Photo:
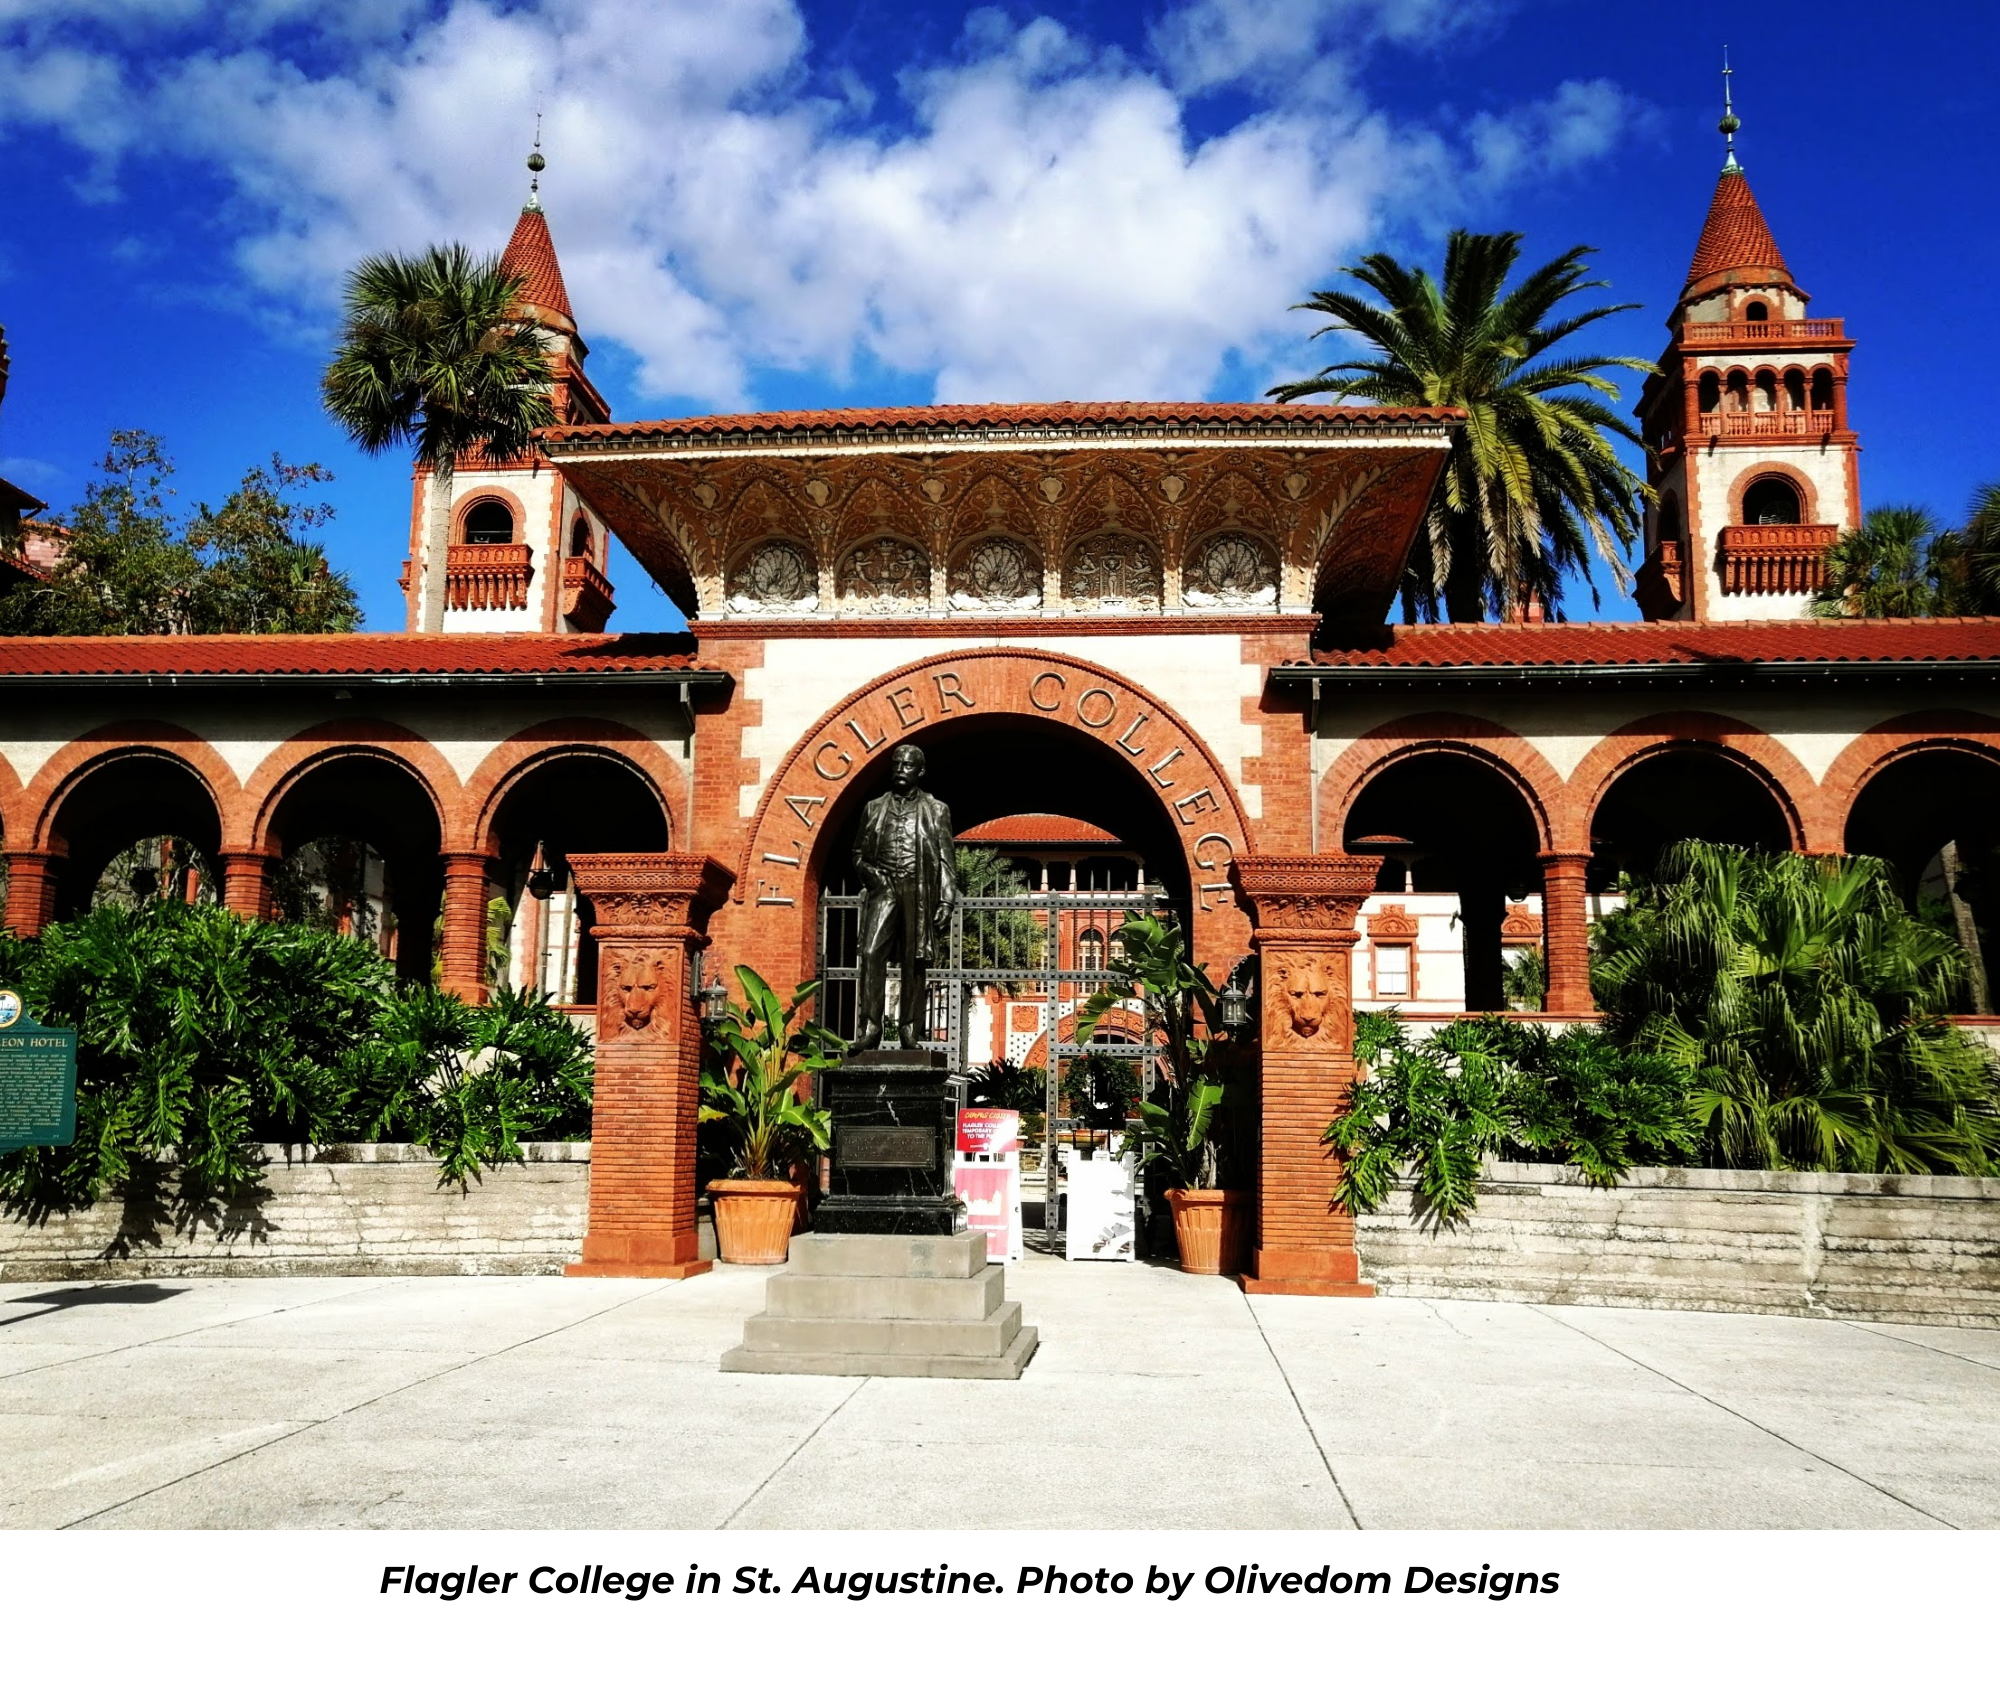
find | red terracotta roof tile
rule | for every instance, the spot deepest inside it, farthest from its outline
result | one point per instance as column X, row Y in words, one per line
column 1669, row 642
column 531, row 255
column 989, row 415
column 393, row 654
column 1736, row 244
column 1037, row 829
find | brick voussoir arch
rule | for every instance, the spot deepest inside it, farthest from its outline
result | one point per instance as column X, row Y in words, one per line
column 1759, row 754
column 576, row 735
column 13, row 809
column 41, row 800
column 1484, row 741
column 1129, row 722
column 1958, row 729
column 307, row 751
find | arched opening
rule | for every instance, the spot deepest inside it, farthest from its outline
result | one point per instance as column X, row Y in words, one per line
column 1766, row 400
column 576, row 803
column 136, row 826
column 1822, row 390
column 489, row 522
column 579, row 537
column 1934, row 816
column 1771, row 501
column 358, row 838
column 1680, row 793
column 1738, row 400
column 1757, row 311
column 1670, row 518
column 1795, row 389
column 1709, row 388
column 1452, row 826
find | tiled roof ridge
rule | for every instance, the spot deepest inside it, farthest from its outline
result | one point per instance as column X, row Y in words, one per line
column 1615, row 643
column 1734, row 238
column 348, row 653
column 1004, row 413
column 531, row 256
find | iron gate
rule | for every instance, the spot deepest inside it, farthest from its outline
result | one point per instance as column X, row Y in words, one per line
column 1044, row 951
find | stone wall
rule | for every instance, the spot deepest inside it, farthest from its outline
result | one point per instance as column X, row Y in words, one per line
column 341, row 1210
column 1918, row 1248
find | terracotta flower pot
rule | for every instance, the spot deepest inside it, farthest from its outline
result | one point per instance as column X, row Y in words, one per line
column 1212, row 1227
column 753, row 1219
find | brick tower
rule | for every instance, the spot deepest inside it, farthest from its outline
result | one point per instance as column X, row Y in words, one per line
column 1746, row 430
column 524, row 554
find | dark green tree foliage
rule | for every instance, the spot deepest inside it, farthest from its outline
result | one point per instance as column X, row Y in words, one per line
column 1899, row 565
column 202, row 1037
column 1007, row 1085
column 1810, row 1007
column 199, row 1037
column 471, row 1082
column 132, row 567
column 1533, row 485
column 1000, row 941
column 1101, row 1090
column 1436, row 1109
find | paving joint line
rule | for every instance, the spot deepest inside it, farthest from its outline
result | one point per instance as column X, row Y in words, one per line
column 1298, row 1405
column 779, row 1468
column 1922, row 1345
column 1782, row 1439
column 349, row 1410
column 189, row 1333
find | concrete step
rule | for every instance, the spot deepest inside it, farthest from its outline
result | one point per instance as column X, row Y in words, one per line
column 969, row 1298
column 1007, row 1366
column 892, row 1256
column 839, row 1336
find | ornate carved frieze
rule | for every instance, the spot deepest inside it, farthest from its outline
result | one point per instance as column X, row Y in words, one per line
column 1114, row 570
column 1231, row 570
column 773, row 578
column 998, row 575
column 884, row 573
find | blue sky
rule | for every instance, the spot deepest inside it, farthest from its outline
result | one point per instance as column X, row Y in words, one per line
column 783, row 203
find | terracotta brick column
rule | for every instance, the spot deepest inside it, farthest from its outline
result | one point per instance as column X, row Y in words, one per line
column 467, row 882
column 31, row 891
column 652, row 915
column 1304, row 907
column 1566, row 932
column 246, row 883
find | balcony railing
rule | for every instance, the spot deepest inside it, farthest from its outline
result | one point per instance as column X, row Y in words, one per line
column 1769, row 422
column 1764, row 330
column 487, row 575
column 586, row 594
column 1762, row 560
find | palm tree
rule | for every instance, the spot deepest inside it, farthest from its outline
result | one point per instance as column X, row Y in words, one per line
column 1898, row 565
column 430, row 355
column 1980, row 539
column 1533, row 482
column 1810, row 1004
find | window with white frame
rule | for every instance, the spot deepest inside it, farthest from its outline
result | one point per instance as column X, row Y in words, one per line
column 1392, row 970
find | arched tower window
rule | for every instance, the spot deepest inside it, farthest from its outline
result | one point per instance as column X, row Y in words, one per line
column 489, row 522
column 1795, row 389
column 1771, row 501
column 1822, row 390
column 1757, row 312
column 579, row 536
column 1670, row 525
column 1767, row 392
column 1709, row 391
column 1739, row 393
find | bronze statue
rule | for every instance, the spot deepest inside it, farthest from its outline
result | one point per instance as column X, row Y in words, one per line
column 905, row 857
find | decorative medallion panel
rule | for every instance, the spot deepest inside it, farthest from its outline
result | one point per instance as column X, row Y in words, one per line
column 1233, row 570
column 1114, row 569
column 773, row 578
column 886, row 573
column 996, row 574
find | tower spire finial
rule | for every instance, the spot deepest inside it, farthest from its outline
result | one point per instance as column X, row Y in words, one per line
column 536, row 166
column 1730, row 122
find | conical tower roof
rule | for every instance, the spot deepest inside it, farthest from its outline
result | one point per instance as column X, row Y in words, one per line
column 1736, row 245
column 531, row 256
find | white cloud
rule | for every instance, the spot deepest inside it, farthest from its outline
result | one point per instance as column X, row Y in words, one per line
column 1034, row 219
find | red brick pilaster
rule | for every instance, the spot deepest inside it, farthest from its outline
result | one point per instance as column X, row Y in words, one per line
column 467, row 879
column 1304, row 908
column 246, row 883
column 652, row 914
column 1566, row 932
column 31, row 891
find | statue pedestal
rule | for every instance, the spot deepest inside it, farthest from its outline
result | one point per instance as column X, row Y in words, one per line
column 892, row 1135
column 887, row 1304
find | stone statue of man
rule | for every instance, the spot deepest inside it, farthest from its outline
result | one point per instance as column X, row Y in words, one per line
column 904, row 855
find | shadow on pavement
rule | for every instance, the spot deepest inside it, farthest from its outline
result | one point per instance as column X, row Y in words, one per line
column 68, row 1298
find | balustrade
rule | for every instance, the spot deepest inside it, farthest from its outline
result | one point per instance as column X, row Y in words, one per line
column 487, row 575
column 1763, row 330
column 1769, row 422
column 1774, row 559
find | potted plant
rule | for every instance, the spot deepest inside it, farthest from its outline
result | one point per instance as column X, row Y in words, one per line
column 1183, row 1124
column 758, row 1056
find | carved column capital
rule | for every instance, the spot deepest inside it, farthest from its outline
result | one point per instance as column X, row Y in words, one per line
column 671, row 894
column 1304, row 898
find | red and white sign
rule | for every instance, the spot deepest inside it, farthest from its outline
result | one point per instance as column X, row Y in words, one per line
column 991, row 1188
column 989, row 1133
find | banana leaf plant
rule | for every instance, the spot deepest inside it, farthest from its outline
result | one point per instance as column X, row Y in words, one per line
column 758, row 1057
column 1184, row 1122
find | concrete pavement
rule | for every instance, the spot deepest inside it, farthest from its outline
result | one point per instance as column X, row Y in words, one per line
column 1158, row 1400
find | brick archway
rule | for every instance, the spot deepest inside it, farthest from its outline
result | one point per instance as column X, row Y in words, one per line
column 298, row 756
column 551, row 740
column 1867, row 756
column 1484, row 741
column 1757, row 753
column 768, row 919
column 41, row 800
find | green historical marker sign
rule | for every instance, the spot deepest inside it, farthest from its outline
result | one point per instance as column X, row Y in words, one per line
column 37, row 1079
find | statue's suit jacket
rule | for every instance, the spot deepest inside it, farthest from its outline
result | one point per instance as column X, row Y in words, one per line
column 936, row 881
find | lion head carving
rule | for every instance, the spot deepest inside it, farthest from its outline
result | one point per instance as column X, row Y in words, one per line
column 1305, row 987
column 639, row 979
